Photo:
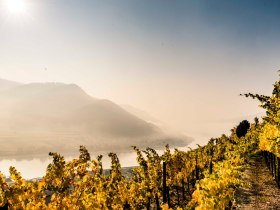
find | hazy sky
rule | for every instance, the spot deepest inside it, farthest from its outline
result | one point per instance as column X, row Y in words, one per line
column 182, row 61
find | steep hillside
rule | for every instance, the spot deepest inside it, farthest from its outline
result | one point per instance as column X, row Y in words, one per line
column 43, row 117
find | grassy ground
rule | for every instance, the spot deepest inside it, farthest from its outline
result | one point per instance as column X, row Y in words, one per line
column 259, row 190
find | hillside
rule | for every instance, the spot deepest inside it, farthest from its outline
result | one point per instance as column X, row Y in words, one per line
column 6, row 84
column 43, row 117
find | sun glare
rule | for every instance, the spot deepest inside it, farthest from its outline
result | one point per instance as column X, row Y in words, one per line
column 16, row 6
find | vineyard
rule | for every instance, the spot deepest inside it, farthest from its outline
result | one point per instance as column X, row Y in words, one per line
column 202, row 178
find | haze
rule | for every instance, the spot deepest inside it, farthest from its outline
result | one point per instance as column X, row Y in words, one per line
column 182, row 62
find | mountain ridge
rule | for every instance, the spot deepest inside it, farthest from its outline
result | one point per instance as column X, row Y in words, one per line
column 6, row 84
column 43, row 117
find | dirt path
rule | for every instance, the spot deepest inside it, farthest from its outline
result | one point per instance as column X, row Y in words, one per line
column 260, row 190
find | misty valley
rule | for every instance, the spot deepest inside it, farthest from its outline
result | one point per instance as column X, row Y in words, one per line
column 41, row 117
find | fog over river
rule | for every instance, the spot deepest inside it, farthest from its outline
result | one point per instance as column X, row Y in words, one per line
column 35, row 167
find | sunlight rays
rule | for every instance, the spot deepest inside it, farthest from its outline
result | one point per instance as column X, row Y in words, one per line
column 16, row 7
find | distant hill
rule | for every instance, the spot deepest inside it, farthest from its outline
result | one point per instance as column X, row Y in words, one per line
column 41, row 117
column 6, row 84
column 141, row 114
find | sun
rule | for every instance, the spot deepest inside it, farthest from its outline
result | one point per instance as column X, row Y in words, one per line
column 16, row 6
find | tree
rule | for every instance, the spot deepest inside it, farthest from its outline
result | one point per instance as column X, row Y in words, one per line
column 242, row 128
